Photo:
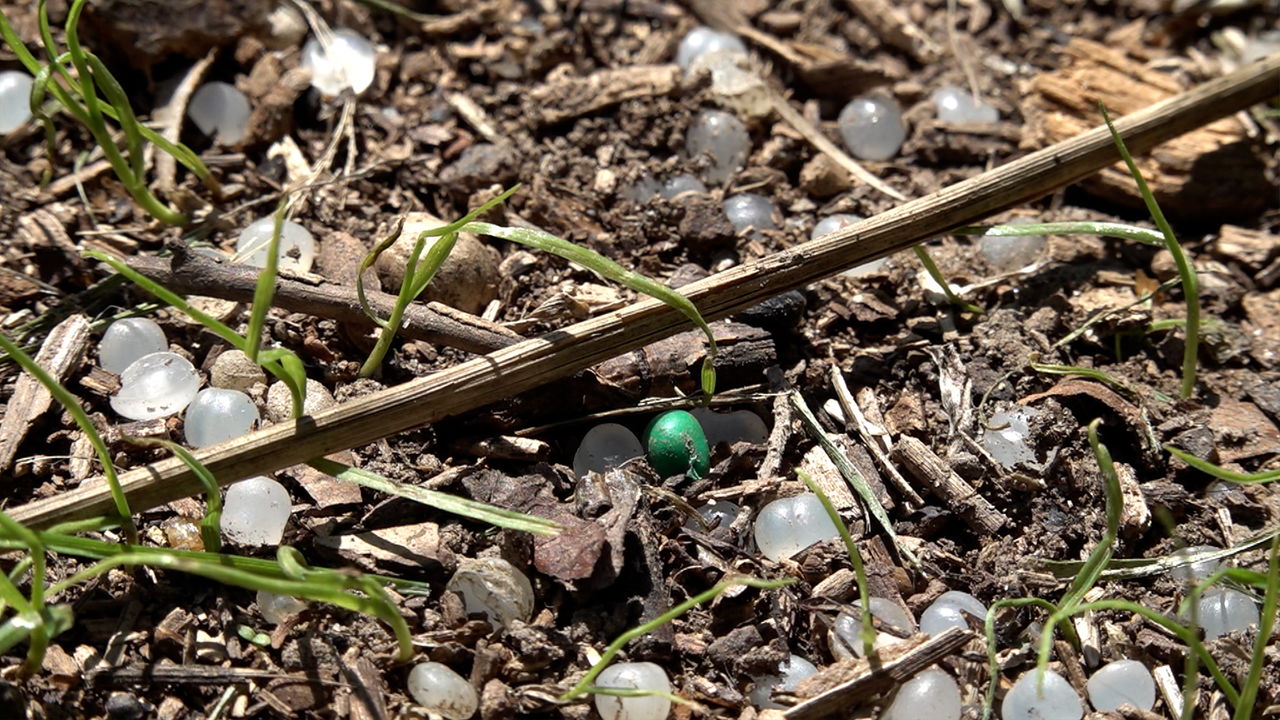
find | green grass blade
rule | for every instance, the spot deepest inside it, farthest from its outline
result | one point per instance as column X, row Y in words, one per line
column 368, row 262
column 1249, row 690
column 993, row 662
column 1091, row 373
column 211, row 523
column 405, row 296
column 932, row 268
column 265, row 289
column 855, row 559
column 1222, row 473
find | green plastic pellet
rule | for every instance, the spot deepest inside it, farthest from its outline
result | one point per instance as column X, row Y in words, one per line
column 676, row 445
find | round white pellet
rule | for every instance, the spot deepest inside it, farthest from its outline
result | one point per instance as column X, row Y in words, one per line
column 680, row 185
column 220, row 110
column 832, row 223
column 845, row 637
column 724, row 138
column 605, row 446
column 1196, row 571
column 749, row 210
column 155, row 386
column 494, row 587
column 297, row 249
column 1120, row 682
column 350, row 62
column 950, row 610
column 702, row 40
column 790, row 673
column 788, row 525
column 872, row 127
column 1059, row 700
column 1223, row 610
column 442, row 691
column 719, row 515
column 958, row 106
column 931, row 695
column 731, row 427
column 128, row 340
column 275, row 608
column 218, row 415
column 1011, row 252
column 15, row 100
column 256, row 511
column 633, row 676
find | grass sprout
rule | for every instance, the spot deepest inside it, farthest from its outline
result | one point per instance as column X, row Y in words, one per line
column 1222, row 473
column 932, row 268
column 1091, row 373
column 211, row 523
column 855, row 559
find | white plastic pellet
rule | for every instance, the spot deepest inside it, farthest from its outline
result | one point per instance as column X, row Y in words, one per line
column 872, row 127
column 930, row 695
column 128, row 340
column 220, row 110
column 605, row 446
column 275, row 608
column 1223, row 610
column 680, row 185
column 790, row 673
column 724, row 138
column 950, row 610
column 832, row 223
column 1058, row 701
column 218, row 415
column 845, row 637
column 958, row 106
column 750, row 210
column 15, row 100
column 702, row 40
column 732, row 427
column 1120, row 682
column 297, row 247
column 442, row 691
column 1011, row 252
column 1265, row 44
column 1197, row 571
column 718, row 515
column 256, row 511
column 349, row 63
column 1007, row 436
column 633, row 676
column 155, row 386
column 788, row 525
column 494, row 587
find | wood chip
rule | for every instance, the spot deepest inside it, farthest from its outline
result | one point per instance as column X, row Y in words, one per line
column 60, row 355
column 573, row 97
column 949, row 487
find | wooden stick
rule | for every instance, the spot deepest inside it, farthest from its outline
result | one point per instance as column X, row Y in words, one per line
column 535, row 362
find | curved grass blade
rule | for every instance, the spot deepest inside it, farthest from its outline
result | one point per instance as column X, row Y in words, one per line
column 211, row 523
column 1222, row 473
column 855, row 559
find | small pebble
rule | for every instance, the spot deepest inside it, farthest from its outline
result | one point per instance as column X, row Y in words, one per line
column 1223, row 611
column 724, row 138
column 958, row 106
column 280, row 402
column 749, row 210
column 256, row 511
column 1120, row 682
column 442, row 691
column 633, row 676
column 350, row 62
column 494, row 587
column 930, row 695
column 606, row 446
column 676, row 445
column 218, row 415
column 680, row 185
column 275, row 608
column 731, row 427
column 702, row 40
column 155, row 386
column 788, row 525
column 220, row 110
column 950, row 610
column 297, row 250
column 15, row 100
column 125, row 706
column 791, row 672
column 872, row 127
column 128, row 340
column 1059, row 700
column 1197, row 571
column 233, row 370
column 1007, row 436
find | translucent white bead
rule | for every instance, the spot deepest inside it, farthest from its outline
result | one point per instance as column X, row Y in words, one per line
column 128, row 340
column 605, row 446
column 845, row 637
column 718, row 515
column 958, row 106
column 633, row 676
column 297, row 246
column 275, row 608
column 218, row 415
column 702, row 40
column 1011, row 252
column 790, row 673
column 256, row 511
column 155, row 386
column 1010, row 443
column 681, row 184
column 494, row 587
column 1265, row 44
column 721, row 136
column 872, row 127
column 1196, row 571
column 950, row 610
column 218, row 108
column 788, row 525
column 749, row 210
column 350, row 62
column 832, row 223
column 642, row 191
column 1223, row 610
column 1059, row 700
column 442, row 691
column 930, row 695
column 1120, row 682
column 15, row 100
column 731, row 427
